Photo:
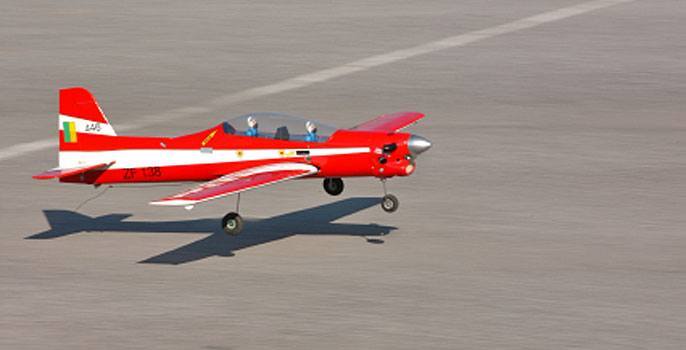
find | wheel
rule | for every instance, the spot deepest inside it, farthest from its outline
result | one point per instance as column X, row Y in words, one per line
column 333, row 186
column 389, row 203
column 232, row 224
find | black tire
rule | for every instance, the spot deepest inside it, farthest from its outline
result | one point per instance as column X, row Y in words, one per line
column 232, row 224
column 333, row 185
column 389, row 203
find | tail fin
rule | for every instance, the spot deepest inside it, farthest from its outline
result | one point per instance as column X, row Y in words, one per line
column 80, row 114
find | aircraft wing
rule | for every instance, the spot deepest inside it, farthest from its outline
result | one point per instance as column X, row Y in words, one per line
column 390, row 122
column 239, row 181
column 66, row 172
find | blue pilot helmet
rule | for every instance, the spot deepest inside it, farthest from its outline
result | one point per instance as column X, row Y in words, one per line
column 311, row 131
column 252, row 127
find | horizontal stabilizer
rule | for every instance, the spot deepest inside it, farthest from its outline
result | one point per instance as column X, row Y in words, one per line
column 62, row 173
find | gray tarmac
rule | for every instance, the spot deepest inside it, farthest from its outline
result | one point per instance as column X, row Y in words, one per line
column 549, row 214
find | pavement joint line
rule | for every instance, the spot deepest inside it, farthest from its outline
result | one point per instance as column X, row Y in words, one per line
column 323, row 75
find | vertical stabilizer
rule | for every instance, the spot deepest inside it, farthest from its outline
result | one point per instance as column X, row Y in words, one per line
column 82, row 124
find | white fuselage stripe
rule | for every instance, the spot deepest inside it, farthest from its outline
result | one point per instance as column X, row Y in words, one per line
column 174, row 157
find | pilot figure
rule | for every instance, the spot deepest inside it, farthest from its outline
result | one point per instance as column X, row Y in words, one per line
column 252, row 127
column 311, row 132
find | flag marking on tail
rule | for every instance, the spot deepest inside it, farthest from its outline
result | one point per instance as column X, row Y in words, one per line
column 69, row 132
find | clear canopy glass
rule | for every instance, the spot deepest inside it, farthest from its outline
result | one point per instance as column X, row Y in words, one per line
column 278, row 126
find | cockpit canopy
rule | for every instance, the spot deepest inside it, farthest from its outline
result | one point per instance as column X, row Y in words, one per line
column 278, row 126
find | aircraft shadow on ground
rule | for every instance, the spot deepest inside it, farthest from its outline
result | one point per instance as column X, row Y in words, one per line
column 312, row 221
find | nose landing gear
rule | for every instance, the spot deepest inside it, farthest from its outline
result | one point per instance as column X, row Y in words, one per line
column 389, row 202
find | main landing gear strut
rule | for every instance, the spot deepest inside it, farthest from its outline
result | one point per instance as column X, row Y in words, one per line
column 232, row 223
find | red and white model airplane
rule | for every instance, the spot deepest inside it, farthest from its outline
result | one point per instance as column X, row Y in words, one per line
column 247, row 152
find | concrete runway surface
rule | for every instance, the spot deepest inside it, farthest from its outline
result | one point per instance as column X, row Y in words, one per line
column 551, row 212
